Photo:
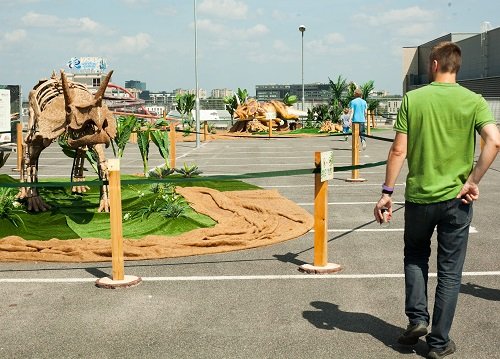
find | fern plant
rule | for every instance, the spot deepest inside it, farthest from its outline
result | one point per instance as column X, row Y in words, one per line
column 160, row 172
column 166, row 203
column 188, row 171
column 10, row 209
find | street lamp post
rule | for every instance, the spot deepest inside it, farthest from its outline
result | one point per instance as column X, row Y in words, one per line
column 197, row 98
column 302, row 28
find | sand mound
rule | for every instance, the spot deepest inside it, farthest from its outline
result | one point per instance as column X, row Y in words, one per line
column 245, row 219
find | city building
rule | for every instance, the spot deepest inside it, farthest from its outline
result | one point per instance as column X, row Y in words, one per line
column 480, row 70
column 135, row 84
column 221, row 93
column 314, row 94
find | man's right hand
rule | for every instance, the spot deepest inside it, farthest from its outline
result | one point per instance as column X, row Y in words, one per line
column 384, row 202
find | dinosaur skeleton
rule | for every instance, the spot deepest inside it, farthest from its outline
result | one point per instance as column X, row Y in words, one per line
column 58, row 107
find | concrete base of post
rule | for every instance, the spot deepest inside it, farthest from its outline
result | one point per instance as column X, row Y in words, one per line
column 355, row 180
column 329, row 268
column 127, row 282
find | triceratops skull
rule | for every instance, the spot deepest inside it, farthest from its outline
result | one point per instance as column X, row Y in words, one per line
column 88, row 119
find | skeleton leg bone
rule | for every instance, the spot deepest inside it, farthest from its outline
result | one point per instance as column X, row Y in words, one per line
column 29, row 174
column 77, row 171
column 103, row 176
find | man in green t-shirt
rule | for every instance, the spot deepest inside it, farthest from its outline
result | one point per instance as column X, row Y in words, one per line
column 435, row 131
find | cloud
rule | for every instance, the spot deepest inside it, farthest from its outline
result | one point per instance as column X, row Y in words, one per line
column 166, row 11
column 334, row 38
column 72, row 25
column 410, row 21
column 328, row 44
column 212, row 27
column 223, row 31
column 138, row 42
column 228, row 9
column 124, row 45
column 14, row 36
column 135, row 2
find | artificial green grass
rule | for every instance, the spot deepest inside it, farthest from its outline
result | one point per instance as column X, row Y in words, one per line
column 76, row 216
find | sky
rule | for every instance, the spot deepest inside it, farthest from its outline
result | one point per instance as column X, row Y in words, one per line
column 240, row 43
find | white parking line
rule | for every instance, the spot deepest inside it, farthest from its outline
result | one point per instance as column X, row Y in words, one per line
column 346, row 230
column 240, row 277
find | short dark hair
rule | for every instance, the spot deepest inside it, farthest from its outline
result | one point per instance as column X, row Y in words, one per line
column 448, row 55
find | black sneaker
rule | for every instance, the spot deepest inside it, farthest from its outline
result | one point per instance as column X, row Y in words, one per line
column 412, row 333
column 437, row 354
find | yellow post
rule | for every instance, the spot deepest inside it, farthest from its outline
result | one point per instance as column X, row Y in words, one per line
column 172, row 144
column 481, row 143
column 355, row 154
column 320, row 265
column 19, row 143
column 205, row 131
column 320, row 216
column 115, row 217
column 374, row 124
column 368, row 129
column 270, row 123
column 355, row 149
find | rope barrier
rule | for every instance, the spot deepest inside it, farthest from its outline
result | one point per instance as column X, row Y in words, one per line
column 242, row 176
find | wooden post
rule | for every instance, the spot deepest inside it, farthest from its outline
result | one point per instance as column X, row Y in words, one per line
column 355, row 149
column 115, row 217
column 118, row 278
column 19, row 143
column 205, row 131
column 355, row 154
column 172, row 144
column 320, row 264
column 320, row 216
column 270, row 123
column 373, row 119
column 367, row 126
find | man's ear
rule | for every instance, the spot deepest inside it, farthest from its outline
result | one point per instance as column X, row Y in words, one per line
column 434, row 66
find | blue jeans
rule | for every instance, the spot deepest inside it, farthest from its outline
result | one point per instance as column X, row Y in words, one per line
column 452, row 219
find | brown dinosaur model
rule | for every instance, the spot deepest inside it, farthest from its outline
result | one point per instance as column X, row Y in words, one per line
column 274, row 110
column 61, row 107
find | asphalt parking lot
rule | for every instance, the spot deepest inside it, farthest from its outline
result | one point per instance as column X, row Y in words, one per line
column 254, row 303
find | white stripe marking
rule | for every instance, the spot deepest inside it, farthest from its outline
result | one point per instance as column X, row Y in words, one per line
column 346, row 203
column 240, row 277
column 331, row 185
column 344, row 230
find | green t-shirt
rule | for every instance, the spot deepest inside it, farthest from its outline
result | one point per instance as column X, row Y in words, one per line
column 440, row 120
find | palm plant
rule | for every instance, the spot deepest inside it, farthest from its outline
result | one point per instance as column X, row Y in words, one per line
column 160, row 139
column 289, row 100
column 185, row 104
column 339, row 100
column 230, row 104
column 143, row 143
column 242, row 96
column 125, row 125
